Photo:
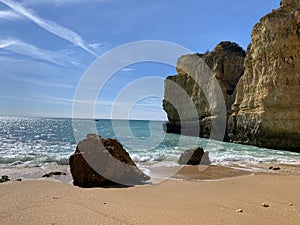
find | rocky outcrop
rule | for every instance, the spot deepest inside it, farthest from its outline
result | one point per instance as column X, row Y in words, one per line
column 100, row 162
column 186, row 94
column 194, row 157
column 266, row 111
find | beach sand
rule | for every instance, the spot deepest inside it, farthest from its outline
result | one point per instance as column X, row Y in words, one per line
column 171, row 201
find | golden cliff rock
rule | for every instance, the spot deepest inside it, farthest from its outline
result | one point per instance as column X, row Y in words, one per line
column 266, row 111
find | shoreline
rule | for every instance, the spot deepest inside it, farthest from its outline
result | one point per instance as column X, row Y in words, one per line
column 161, row 173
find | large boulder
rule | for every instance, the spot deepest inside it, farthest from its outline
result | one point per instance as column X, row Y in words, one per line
column 266, row 111
column 100, row 162
column 186, row 103
column 194, row 157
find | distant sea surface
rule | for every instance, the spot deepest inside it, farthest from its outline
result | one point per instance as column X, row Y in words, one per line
column 40, row 141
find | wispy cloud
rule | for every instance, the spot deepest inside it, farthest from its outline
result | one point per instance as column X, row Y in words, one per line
column 43, row 98
column 95, row 45
column 26, row 49
column 127, row 70
column 56, row 100
column 46, row 84
column 60, row 2
column 9, row 15
column 50, row 26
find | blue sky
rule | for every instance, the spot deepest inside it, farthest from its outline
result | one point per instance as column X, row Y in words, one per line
column 47, row 45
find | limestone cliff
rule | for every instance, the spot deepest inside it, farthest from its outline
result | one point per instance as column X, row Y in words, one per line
column 226, row 63
column 266, row 111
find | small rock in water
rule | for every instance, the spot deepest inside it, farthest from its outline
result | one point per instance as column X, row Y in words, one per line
column 194, row 157
column 239, row 210
column 265, row 205
column 19, row 179
column 271, row 167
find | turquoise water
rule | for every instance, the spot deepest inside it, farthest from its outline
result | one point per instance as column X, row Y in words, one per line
column 39, row 141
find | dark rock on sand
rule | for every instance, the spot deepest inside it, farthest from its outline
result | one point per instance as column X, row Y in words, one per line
column 99, row 162
column 194, row 157
column 274, row 168
column 54, row 174
column 4, row 179
column 265, row 205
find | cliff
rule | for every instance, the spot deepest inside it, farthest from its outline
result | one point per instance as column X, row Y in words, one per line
column 266, row 111
column 188, row 98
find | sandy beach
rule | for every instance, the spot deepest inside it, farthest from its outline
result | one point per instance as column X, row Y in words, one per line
column 149, row 112
column 236, row 199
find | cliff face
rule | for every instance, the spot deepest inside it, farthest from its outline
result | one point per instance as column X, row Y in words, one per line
column 266, row 111
column 187, row 103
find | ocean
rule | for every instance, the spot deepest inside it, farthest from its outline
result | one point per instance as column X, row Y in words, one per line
column 40, row 141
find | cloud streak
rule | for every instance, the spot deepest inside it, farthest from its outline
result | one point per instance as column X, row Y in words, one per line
column 46, row 84
column 61, row 2
column 26, row 49
column 9, row 15
column 50, row 26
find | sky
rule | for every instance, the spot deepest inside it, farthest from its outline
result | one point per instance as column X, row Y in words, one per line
column 47, row 47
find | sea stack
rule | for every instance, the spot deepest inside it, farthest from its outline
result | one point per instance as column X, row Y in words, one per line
column 266, row 111
column 226, row 65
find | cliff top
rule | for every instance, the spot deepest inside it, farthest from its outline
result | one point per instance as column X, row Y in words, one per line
column 228, row 46
column 292, row 4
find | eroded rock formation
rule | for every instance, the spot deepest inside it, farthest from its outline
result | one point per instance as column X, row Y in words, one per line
column 266, row 111
column 187, row 104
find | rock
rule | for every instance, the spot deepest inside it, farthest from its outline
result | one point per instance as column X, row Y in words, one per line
column 266, row 111
column 291, row 204
column 184, row 101
column 99, row 162
column 4, row 179
column 54, row 174
column 205, row 159
column 265, row 205
column 274, row 168
column 239, row 211
column 186, row 63
column 194, row 157
column 290, row 4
